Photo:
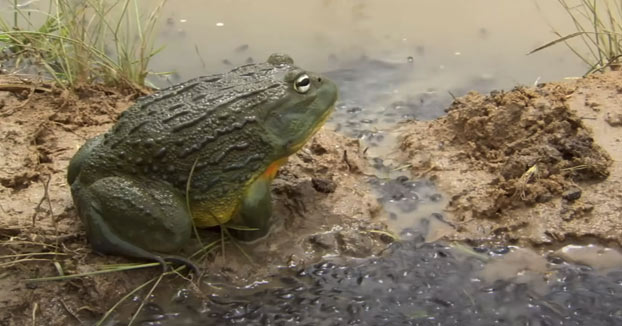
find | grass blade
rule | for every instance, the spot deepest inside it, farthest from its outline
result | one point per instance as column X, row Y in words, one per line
column 559, row 40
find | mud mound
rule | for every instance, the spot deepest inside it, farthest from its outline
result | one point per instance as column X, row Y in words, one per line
column 531, row 140
column 504, row 157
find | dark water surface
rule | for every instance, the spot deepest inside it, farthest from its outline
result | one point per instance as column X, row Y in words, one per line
column 413, row 283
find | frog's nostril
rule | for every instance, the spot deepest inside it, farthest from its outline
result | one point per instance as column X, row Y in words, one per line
column 319, row 79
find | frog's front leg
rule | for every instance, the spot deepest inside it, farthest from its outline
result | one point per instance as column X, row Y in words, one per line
column 255, row 211
column 134, row 218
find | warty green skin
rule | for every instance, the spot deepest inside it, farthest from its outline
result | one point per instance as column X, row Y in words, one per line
column 129, row 184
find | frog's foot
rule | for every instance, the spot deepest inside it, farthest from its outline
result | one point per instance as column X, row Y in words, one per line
column 178, row 260
column 249, row 236
column 116, row 246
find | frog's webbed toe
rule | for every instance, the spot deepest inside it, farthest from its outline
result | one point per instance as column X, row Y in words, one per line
column 178, row 260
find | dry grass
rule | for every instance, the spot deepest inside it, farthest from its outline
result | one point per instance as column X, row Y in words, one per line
column 521, row 185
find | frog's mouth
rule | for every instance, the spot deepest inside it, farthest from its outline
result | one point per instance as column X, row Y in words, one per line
column 290, row 123
column 319, row 123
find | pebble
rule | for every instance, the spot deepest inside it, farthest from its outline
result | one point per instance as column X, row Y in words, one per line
column 323, row 185
column 614, row 119
column 572, row 194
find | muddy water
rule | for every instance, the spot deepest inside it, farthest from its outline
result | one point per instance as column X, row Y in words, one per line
column 453, row 44
column 396, row 60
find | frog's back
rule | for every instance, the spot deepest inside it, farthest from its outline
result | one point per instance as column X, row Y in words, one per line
column 212, row 120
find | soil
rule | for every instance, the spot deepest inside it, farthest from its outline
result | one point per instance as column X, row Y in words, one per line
column 532, row 166
column 321, row 197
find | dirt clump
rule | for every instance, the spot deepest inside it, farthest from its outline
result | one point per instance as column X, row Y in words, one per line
column 614, row 119
column 320, row 191
column 523, row 166
column 530, row 140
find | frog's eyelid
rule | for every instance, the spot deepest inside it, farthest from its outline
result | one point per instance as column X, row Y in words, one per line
column 302, row 84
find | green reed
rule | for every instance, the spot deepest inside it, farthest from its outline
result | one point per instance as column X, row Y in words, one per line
column 598, row 25
column 77, row 42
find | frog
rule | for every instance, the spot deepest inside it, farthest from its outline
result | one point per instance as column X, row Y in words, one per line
column 202, row 153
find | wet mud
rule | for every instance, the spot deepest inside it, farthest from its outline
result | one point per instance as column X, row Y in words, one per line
column 532, row 166
column 527, row 166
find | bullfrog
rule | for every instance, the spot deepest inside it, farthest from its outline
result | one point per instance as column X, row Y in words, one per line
column 201, row 152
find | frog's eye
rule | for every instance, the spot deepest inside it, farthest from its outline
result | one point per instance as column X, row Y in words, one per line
column 302, row 84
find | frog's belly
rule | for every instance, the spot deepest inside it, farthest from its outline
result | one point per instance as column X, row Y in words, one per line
column 219, row 211
column 212, row 213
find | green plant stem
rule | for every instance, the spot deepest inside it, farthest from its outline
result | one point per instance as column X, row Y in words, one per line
column 15, row 14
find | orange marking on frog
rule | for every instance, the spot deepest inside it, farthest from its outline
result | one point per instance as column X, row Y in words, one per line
column 272, row 169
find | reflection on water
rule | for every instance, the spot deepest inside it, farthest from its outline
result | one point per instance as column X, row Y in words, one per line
column 591, row 255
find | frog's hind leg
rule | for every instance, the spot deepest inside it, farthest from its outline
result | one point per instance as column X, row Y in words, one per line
column 133, row 218
column 75, row 165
